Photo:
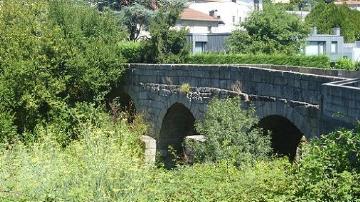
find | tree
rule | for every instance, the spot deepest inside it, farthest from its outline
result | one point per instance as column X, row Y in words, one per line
column 269, row 31
column 231, row 134
column 53, row 54
column 166, row 45
column 327, row 16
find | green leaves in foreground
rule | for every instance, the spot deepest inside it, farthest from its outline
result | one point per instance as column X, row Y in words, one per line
column 231, row 134
column 330, row 168
column 52, row 55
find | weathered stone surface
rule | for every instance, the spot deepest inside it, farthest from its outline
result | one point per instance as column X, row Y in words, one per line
column 314, row 103
column 149, row 149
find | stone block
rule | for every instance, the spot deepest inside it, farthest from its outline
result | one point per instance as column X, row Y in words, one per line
column 149, row 149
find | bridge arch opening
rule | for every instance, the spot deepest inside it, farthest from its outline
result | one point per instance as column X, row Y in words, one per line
column 176, row 125
column 285, row 136
column 121, row 105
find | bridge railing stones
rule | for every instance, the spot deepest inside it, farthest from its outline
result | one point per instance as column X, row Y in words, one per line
column 341, row 103
column 253, row 80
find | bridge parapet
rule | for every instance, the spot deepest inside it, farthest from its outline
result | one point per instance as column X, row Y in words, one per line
column 288, row 85
column 341, row 104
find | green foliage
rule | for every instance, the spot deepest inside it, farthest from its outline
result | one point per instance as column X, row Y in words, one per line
column 132, row 51
column 137, row 16
column 327, row 16
column 269, row 31
column 106, row 163
column 166, row 44
column 346, row 63
column 292, row 60
column 52, row 55
column 231, row 134
column 185, row 88
column 330, row 168
column 93, row 168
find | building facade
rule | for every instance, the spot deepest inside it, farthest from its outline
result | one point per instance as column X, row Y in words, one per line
column 331, row 45
column 231, row 12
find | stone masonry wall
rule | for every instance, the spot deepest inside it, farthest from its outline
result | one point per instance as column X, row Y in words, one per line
column 341, row 104
column 294, row 95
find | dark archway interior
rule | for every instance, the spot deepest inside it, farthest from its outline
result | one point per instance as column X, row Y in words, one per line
column 285, row 136
column 122, row 104
column 177, row 124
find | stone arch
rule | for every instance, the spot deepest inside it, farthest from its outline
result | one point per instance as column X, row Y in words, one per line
column 177, row 123
column 119, row 101
column 285, row 136
column 304, row 118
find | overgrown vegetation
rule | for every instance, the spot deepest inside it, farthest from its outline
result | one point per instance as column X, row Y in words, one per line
column 58, row 60
column 231, row 135
column 270, row 31
column 53, row 55
column 166, row 45
column 327, row 16
column 105, row 164
column 185, row 88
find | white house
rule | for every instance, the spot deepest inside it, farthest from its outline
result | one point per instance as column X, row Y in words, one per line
column 198, row 22
column 230, row 12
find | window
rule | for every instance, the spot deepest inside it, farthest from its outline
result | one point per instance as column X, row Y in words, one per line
column 321, row 45
column 233, row 20
column 239, row 19
column 234, row 1
column 315, row 48
column 334, row 47
column 199, row 47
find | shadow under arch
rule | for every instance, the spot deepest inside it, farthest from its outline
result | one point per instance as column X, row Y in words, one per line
column 285, row 136
column 120, row 102
column 178, row 123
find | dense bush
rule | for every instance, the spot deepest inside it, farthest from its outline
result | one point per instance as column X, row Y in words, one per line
column 292, row 60
column 133, row 52
column 346, row 64
column 269, row 31
column 330, row 168
column 96, row 167
column 231, row 134
column 52, row 55
column 166, row 45
column 327, row 16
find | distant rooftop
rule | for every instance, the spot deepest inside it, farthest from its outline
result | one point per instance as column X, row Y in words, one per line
column 191, row 14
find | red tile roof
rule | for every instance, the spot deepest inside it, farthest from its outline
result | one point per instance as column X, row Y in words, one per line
column 191, row 14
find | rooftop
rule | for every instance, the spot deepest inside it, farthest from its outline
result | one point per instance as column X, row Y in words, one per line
column 191, row 14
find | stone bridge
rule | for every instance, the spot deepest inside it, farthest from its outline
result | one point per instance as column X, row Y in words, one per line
column 290, row 102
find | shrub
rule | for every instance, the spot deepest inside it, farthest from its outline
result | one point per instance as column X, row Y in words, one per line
column 330, row 168
column 166, row 45
column 346, row 63
column 231, row 134
column 99, row 165
column 133, row 52
column 54, row 54
column 271, row 30
column 292, row 60
column 185, row 88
